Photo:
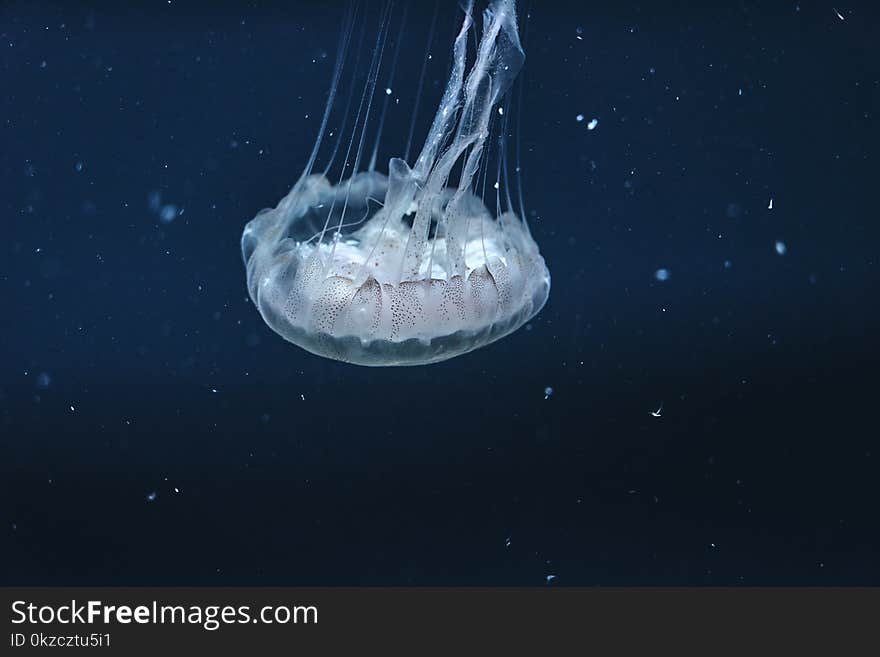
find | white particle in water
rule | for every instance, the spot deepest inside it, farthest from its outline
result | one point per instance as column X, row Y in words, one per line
column 579, row 118
column 592, row 124
column 662, row 274
column 780, row 247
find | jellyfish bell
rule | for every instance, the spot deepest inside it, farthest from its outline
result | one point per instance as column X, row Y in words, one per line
column 411, row 267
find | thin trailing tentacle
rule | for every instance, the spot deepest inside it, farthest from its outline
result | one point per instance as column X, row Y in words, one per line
column 368, row 86
column 341, row 52
column 370, row 91
column 390, row 86
column 415, row 113
column 349, row 97
column 518, row 140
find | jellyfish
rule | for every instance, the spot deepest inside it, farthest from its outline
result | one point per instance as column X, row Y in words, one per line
column 408, row 267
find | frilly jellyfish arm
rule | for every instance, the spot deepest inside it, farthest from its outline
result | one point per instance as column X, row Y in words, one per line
column 499, row 59
column 444, row 119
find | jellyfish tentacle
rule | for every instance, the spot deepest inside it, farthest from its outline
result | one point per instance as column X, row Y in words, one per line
column 341, row 53
column 354, row 130
column 415, row 113
column 388, row 88
column 370, row 91
column 498, row 162
column 350, row 96
column 504, row 158
column 518, row 139
column 485, row 167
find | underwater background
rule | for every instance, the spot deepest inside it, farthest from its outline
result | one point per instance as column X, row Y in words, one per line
column 701, row 179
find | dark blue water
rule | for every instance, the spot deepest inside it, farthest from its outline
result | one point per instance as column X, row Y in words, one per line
column 153, row 430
